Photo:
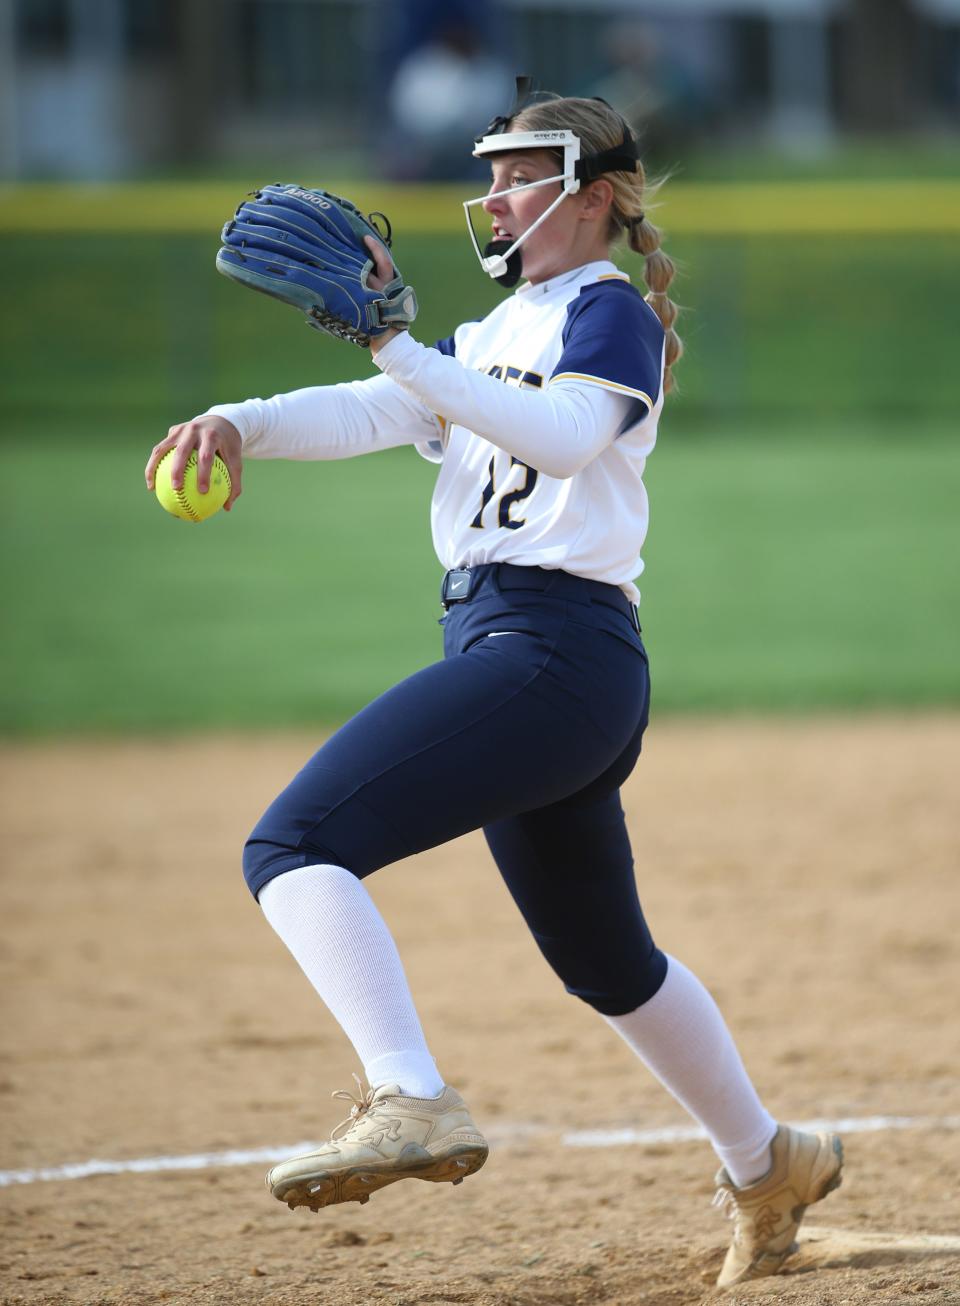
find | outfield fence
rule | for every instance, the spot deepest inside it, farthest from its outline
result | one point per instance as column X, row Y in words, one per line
column 735, row 208
column 813, row 299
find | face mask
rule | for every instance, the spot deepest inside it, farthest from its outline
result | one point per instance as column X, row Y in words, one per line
column 501, row 259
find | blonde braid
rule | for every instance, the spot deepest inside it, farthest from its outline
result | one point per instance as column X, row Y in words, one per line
column 600, row 128
column 658, row 271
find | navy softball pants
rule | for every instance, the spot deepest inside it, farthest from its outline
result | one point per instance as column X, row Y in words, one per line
column 527, row 729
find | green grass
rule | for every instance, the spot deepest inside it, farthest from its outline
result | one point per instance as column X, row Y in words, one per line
column 811, row 569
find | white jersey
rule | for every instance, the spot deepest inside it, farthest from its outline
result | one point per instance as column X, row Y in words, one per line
column 587, row 328
column 541, row 415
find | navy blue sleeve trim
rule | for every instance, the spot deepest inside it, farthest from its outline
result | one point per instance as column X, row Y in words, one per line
column 446, row 346
column 612, row 336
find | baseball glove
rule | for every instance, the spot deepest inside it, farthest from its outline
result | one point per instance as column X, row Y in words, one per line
column 305, row 247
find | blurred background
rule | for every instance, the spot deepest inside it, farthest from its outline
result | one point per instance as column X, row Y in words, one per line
column 802, row 554
column 118, row 88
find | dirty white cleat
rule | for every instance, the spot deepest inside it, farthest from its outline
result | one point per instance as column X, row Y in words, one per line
column 767, row 1214
column 386, row 1137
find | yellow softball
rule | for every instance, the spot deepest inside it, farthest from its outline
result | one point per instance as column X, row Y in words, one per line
column 189, row 503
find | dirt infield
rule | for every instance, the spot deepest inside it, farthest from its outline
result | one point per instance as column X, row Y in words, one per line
column 807, row 870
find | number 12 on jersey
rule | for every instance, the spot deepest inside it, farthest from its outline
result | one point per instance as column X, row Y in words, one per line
column 506, row 501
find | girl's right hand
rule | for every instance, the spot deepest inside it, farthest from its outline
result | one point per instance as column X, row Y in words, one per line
column 209, row 436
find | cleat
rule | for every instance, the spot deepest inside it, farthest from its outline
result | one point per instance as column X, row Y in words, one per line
column 386, row 1137
column 767, row 1214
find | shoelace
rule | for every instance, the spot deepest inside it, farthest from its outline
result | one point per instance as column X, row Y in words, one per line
column 749, row 1228
column 361, row 1105
column 725, row 1199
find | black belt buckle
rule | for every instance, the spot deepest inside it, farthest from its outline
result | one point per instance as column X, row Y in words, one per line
column 457, row 586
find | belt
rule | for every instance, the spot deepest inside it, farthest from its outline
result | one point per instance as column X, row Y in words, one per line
column 460, row 585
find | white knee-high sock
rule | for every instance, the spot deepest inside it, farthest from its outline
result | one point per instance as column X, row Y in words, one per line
column 330, row 923
column 683, row 1039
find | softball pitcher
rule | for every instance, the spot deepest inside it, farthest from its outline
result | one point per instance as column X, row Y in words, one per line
column 541, row 418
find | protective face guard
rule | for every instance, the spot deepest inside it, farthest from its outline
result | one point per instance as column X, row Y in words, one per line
column 497, row 264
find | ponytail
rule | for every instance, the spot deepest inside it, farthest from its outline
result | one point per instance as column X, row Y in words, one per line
column 658, row 272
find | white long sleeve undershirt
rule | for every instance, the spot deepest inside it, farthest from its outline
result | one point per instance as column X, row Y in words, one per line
column 558, row 430
column 330, row 421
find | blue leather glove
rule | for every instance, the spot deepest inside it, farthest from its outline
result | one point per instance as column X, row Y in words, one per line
column 306, row 248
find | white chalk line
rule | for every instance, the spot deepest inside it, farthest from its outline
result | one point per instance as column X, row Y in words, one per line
column 690, row 1133
column 503, row 1134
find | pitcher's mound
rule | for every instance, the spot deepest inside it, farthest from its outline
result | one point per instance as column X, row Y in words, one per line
column 836, row 1247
